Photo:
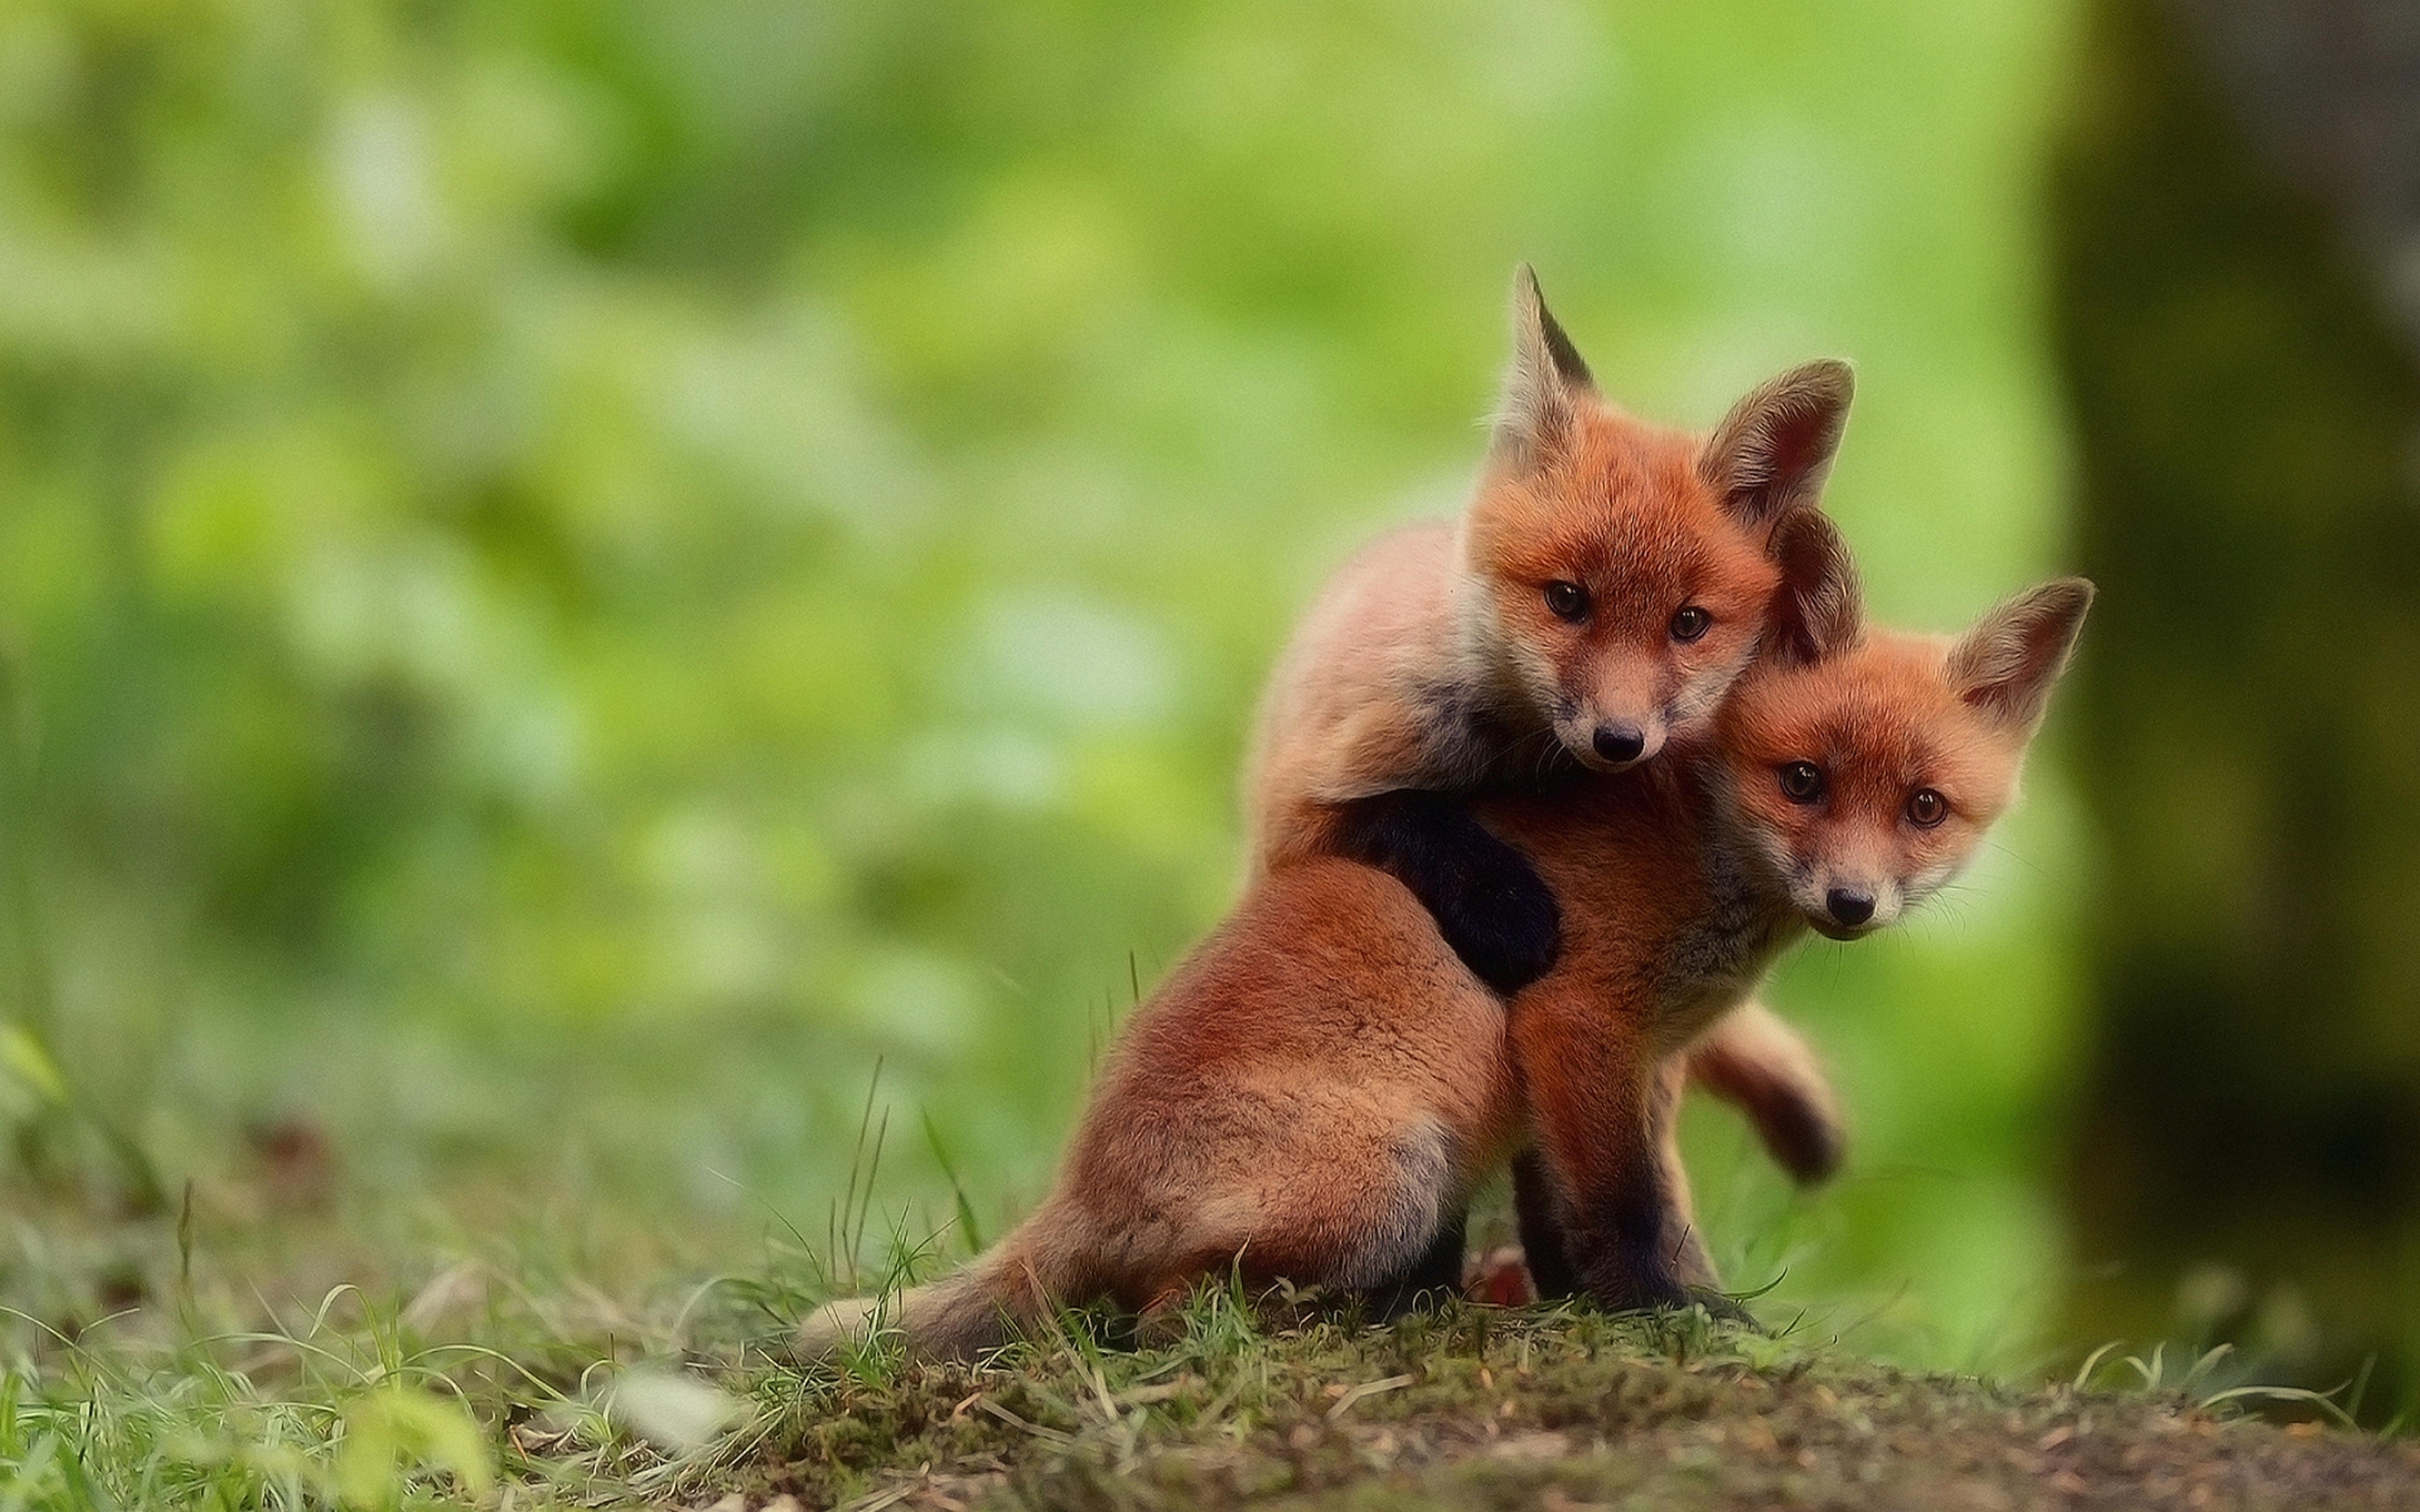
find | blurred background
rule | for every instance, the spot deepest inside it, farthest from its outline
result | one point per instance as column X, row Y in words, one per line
column 574, row 576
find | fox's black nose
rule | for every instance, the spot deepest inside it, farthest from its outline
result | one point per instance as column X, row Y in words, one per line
column 1850, row 908
column 1620, row 742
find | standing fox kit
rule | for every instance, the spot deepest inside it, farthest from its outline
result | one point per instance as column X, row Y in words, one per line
column 1315, row 1092
column 1851, row 776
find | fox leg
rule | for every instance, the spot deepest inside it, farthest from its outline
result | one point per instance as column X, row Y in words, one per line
column 1393, row 1233
column 1342, row 1204
column 1682, row 1242
column 1543, row 1241
column 1544, row 1246
column 1592, row 1090
column 1762, row 1066
column 1489, row 903
column 1436, row 1272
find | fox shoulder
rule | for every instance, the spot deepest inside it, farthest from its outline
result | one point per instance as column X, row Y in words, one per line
column 1353, row 707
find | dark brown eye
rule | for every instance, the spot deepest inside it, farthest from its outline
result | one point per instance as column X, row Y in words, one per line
column 1690, row 622
column 1926, row 809
column 1569, row 601
column 1801, row 782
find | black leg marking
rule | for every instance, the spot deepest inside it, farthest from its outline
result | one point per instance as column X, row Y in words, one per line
column 1621, row 1248
column 1544, row 1247
column 1614, row 1249
column 1490, row 903
column 1435, row 1274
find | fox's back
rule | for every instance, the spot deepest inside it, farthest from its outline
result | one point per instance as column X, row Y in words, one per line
column 1328, row 983
column 1662, row 914
column 1341, row 713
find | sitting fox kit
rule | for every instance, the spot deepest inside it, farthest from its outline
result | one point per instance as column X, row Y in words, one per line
column 1315, row 1092
column 1604, row 588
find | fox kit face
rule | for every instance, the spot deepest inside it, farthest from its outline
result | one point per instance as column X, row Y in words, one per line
column 1868, row 765
column 1615, row 590
column 1617, row 572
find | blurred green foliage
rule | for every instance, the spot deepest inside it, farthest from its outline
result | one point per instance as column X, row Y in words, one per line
column 572, row 574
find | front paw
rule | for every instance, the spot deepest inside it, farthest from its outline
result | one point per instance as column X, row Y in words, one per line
column 1636, row 1284
column 1504, row 923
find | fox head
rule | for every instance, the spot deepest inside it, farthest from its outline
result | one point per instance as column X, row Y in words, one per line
column 1867, row 765
column 1615, row 574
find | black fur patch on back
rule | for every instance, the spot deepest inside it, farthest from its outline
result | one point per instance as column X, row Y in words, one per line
column 1489, row 903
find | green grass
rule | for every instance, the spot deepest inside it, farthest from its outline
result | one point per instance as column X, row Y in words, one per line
column 579, row 1367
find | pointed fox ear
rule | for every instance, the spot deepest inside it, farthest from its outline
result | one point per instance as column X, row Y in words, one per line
column 1773, row 450
column 1547, row 371
column 2007, row 664
column 1819, row 609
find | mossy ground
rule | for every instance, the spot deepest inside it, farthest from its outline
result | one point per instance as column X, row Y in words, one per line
column 540, row 1374
column 1544, row 1408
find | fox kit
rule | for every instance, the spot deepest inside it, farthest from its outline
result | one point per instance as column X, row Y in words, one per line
column 1600, row 594
column 1851, row 777
column 1315, row 1090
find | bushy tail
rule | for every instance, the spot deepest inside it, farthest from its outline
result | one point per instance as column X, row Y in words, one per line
column 958, row 1317
column 1762, row 1065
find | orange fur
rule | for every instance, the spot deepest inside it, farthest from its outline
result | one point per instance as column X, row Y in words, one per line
column 1682, row 883
column 1318, row 1086
column 1433, row 660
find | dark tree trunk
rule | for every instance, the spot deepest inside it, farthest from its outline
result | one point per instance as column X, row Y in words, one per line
column 2247, row 419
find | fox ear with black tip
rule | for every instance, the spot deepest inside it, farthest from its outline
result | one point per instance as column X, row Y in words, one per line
column 2007, row 663
column 1819, row 609
column 1773, row 452
column 1547, row 373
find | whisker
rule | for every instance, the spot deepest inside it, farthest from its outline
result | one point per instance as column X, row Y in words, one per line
column 2016, row 856
column 1548, row 747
